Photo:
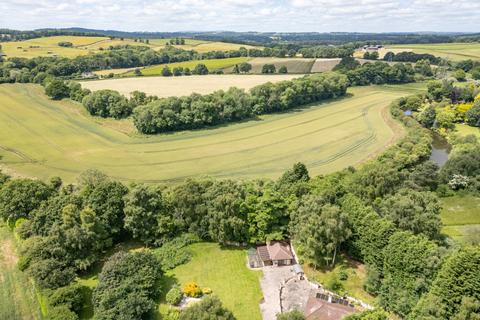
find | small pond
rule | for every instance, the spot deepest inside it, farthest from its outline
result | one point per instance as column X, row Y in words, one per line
column 440, row 150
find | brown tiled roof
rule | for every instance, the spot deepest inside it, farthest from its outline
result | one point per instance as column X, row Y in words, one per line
column 279, row 250
column 263, row 253
column 317, row 309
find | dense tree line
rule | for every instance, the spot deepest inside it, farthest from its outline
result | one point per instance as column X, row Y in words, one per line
column 327, row 51
column 197, row 111
column 380, row 73
column 408, row 56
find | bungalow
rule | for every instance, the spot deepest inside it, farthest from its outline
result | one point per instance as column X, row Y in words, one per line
column 276, row 253
column 325, row 307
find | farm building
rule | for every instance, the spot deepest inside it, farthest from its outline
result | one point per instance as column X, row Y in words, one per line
column 325, row 307
column 274, row 253
column 372, row 48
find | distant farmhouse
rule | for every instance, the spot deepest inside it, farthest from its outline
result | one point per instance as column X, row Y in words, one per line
column 372, row 47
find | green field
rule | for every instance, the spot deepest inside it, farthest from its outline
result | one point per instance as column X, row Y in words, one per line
column 17, row 295
column 212, row 64
column 44, row 138
column 224, row 270
column 452, row 51
column 48, row 46
column 461, row 217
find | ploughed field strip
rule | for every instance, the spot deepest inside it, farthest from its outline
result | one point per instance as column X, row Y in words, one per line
column 44, row 138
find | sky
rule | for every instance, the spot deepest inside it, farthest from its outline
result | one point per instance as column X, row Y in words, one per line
column 245, row 15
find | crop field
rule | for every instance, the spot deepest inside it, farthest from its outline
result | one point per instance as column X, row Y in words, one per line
column 82, row 45
column 322, row 65
column 224, row 271
column 17, row 295
column 294, row 65
column 461, row 218
column 452, row 51
column 44, row 138
column 212, row 64
column 184, row 85
column 48, row 46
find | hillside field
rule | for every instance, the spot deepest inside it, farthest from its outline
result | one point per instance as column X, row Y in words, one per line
column 44, row 138
column 452, row 51
column 184, row 85
column 212, row 64
column 82, row 45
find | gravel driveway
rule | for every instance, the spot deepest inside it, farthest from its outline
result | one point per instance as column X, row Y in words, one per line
column 271, row 282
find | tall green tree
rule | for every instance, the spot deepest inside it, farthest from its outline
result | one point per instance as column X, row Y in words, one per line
column 319, row 229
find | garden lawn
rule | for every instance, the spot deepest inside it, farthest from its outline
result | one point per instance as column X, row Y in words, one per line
column 224, row 270
column 353, row 286
column 461, row 217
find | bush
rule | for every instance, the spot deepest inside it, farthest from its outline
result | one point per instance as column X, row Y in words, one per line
column 283, row 69
column 70, row 296
column 57, row 89
column 291, row 315
column 65, row 44
column 460, row 75
column 200, row 69
column 207, row 291
column 209, row 308
column 166, row 72
column 174, row 296
column 342, row 275
column 268, row 68
column 334, row 284
column 62, row 313
column 127, row 286
column 191, row 289
column 107, row 103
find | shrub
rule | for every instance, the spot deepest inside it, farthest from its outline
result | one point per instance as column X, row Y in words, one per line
column 62, row 313
column 174, row 296
column 191, row 289
column 166, row 71
column 334, row 284
column 107, row 103
column 70, row 296
column 343, row 275
column 268, row 68
column 200, row 69
column 283, row 69
column 57, row 89
column 207, row 291
column 291, row 315
column 209, row 308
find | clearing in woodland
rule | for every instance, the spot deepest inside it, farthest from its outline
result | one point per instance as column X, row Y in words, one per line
column 44, row 138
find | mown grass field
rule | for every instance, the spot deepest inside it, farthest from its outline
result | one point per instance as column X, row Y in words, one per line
column 17, row 295
column 461, row 218
column 452, row 51
column 48, row 46
column 224, row 270
column 212, row 64
column 183, row 85
column 44, row 138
